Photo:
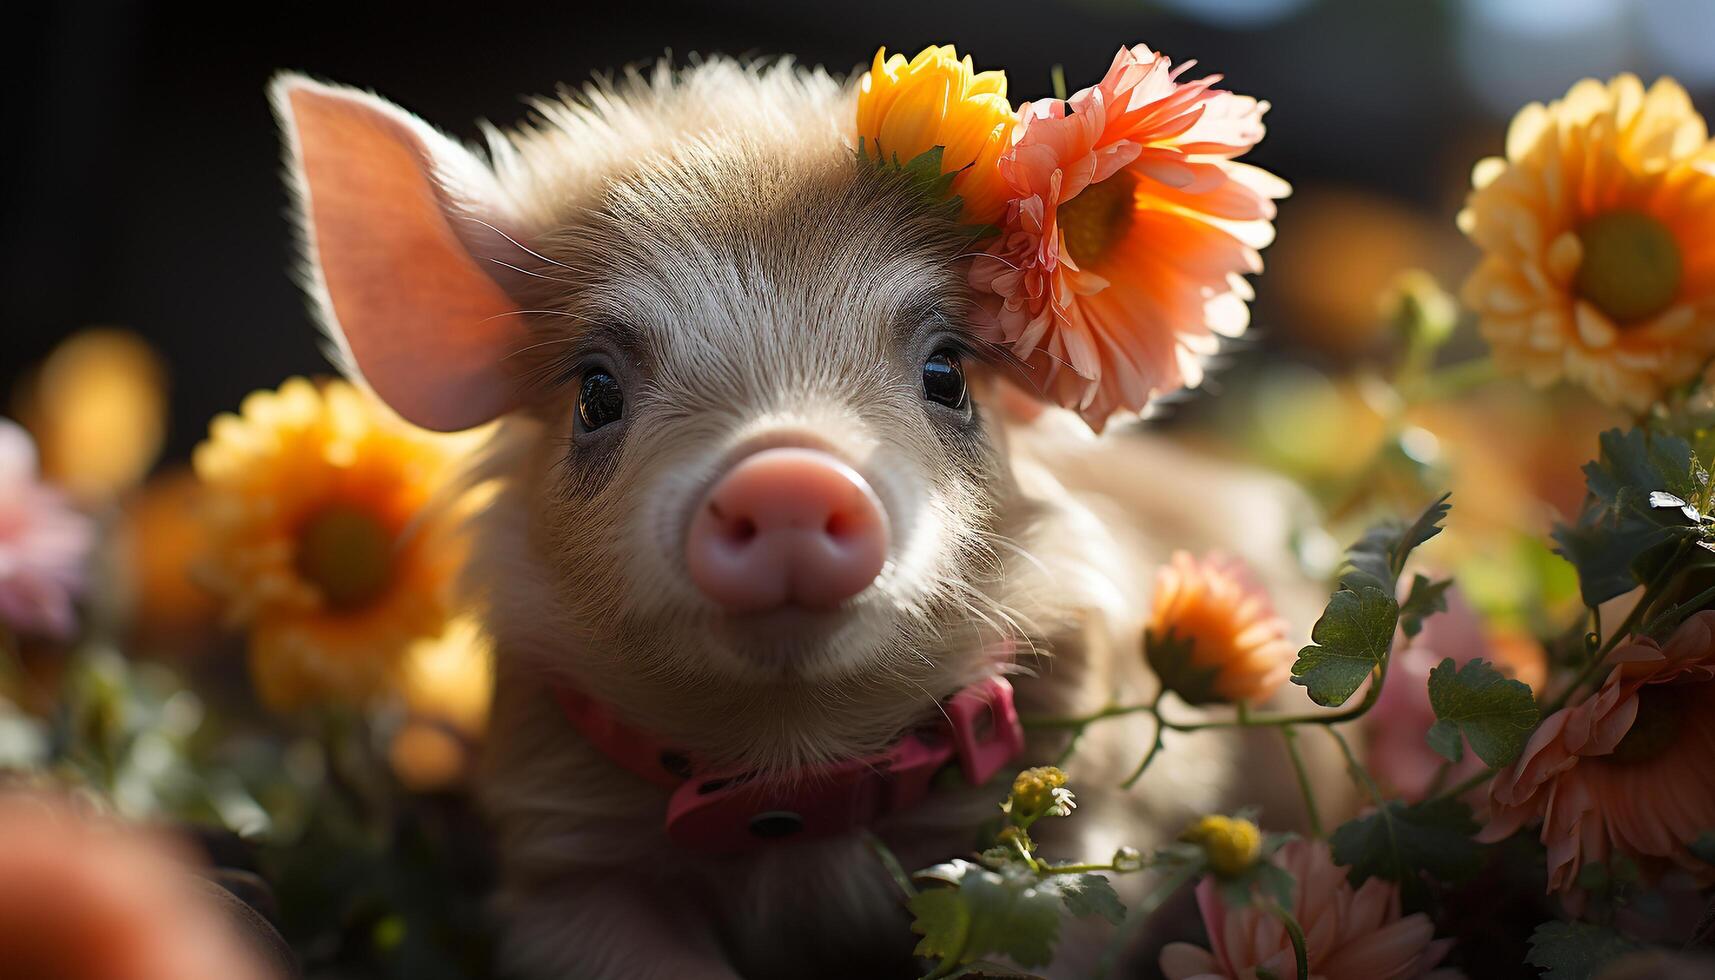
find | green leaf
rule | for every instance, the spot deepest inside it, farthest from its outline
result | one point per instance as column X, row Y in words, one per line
column 1640, row 459
column 1263, row 878
column 1495, row 714
column 1444, row 739
column 1009, row 912
column 1575, row 950
column 1425, row 599
column 1011, row 916
column 1347, row 643
column 942, row 918
column 1088, row 894
column 1621, row 524
column 1379, row 556
column 1170, row 656
column 1402, row 843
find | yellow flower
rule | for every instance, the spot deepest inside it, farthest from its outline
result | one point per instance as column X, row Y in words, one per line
column 98, row 410
column 906, row 108
column 446, row 683
column 1598, row 233
column 1213, row 634
column 330, row 536
column 1039, row 792
column 1231, row 844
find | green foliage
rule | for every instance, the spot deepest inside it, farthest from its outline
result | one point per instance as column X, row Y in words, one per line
column 1350, row 640
column 1354, row 634
column 1009, row 903
column 1402, row 843
column 1380, row 555
column 1265, row 879
column 1575, row 950
column 1646, row 491
column 923, row 172
column 1495, row 714
column 1089, row 894
column 1425, row 599
column 1008, row 910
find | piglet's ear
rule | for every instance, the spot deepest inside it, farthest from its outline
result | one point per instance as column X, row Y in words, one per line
column 402, row 227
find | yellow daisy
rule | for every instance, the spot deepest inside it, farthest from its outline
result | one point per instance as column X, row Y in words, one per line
column 1598, row 234
column 446, row 685
column 906, row 108
column 330, row 539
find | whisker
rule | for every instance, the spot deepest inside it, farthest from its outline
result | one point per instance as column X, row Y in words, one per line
column 519, row 245
column 537, row 275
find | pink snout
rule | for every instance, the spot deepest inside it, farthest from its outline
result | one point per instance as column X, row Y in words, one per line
column 787, row 527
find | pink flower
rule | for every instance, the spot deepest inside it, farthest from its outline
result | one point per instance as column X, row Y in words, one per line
column 1398, row 753
column 1630, row 770
column 82, row 898
column 1120, row 260
column 1349, row 934
column 43, row 544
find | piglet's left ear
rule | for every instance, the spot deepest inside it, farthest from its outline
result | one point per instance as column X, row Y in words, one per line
column 405, row 229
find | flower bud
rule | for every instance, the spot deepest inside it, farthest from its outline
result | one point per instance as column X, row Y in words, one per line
column 1231, row 844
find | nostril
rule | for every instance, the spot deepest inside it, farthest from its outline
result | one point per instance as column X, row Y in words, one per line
column 787, row 526
column 743, row 530
column 838, row 526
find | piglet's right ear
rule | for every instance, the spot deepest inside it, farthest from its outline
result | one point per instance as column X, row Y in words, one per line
column 402, row 226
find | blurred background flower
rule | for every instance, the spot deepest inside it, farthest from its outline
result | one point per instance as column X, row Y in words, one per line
column 1598, row 233
column 98, row 409
column 1212, row 634
column 83, row 898
column 332, row 538
column 44, row 544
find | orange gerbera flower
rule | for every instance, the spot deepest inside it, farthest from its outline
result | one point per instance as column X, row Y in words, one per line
column 1598, row 255
column 1120, row 260
column 1631, row 770
column 330, row 535
column 82, row 899
column 937, row 99
column 1213, row 634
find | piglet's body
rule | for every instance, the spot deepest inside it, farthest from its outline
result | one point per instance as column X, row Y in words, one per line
column 756, row 498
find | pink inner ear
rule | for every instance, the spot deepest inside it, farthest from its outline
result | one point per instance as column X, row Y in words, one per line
column 426, row 325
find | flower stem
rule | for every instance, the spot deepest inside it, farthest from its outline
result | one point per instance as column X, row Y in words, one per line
column 1651, row 593
column 1154, row 747
column 1300, row 954
column 1080, row 721
column 1289, row 735
column 1451, row 380
column 1360, row 775
column 890, row 862
column 1462, row 787
column 1140, row 913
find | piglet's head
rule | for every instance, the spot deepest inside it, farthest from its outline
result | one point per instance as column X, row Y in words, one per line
column 747, row 489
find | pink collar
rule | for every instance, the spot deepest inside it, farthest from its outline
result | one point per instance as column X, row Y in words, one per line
column 715, row 811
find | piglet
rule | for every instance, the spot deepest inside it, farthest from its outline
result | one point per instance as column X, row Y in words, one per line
column 761, row 516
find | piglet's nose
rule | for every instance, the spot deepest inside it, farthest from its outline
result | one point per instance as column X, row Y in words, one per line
column 786, row 526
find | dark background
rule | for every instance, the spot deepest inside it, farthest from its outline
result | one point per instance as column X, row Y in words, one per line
column 141, row 165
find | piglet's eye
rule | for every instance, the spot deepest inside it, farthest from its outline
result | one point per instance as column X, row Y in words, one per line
column 944, row 379
column 600, row 400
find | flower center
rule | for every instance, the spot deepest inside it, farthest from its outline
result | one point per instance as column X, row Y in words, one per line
column 1660, row 711
column 1099, row 216
column 346, row 553
column 1631, row 266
